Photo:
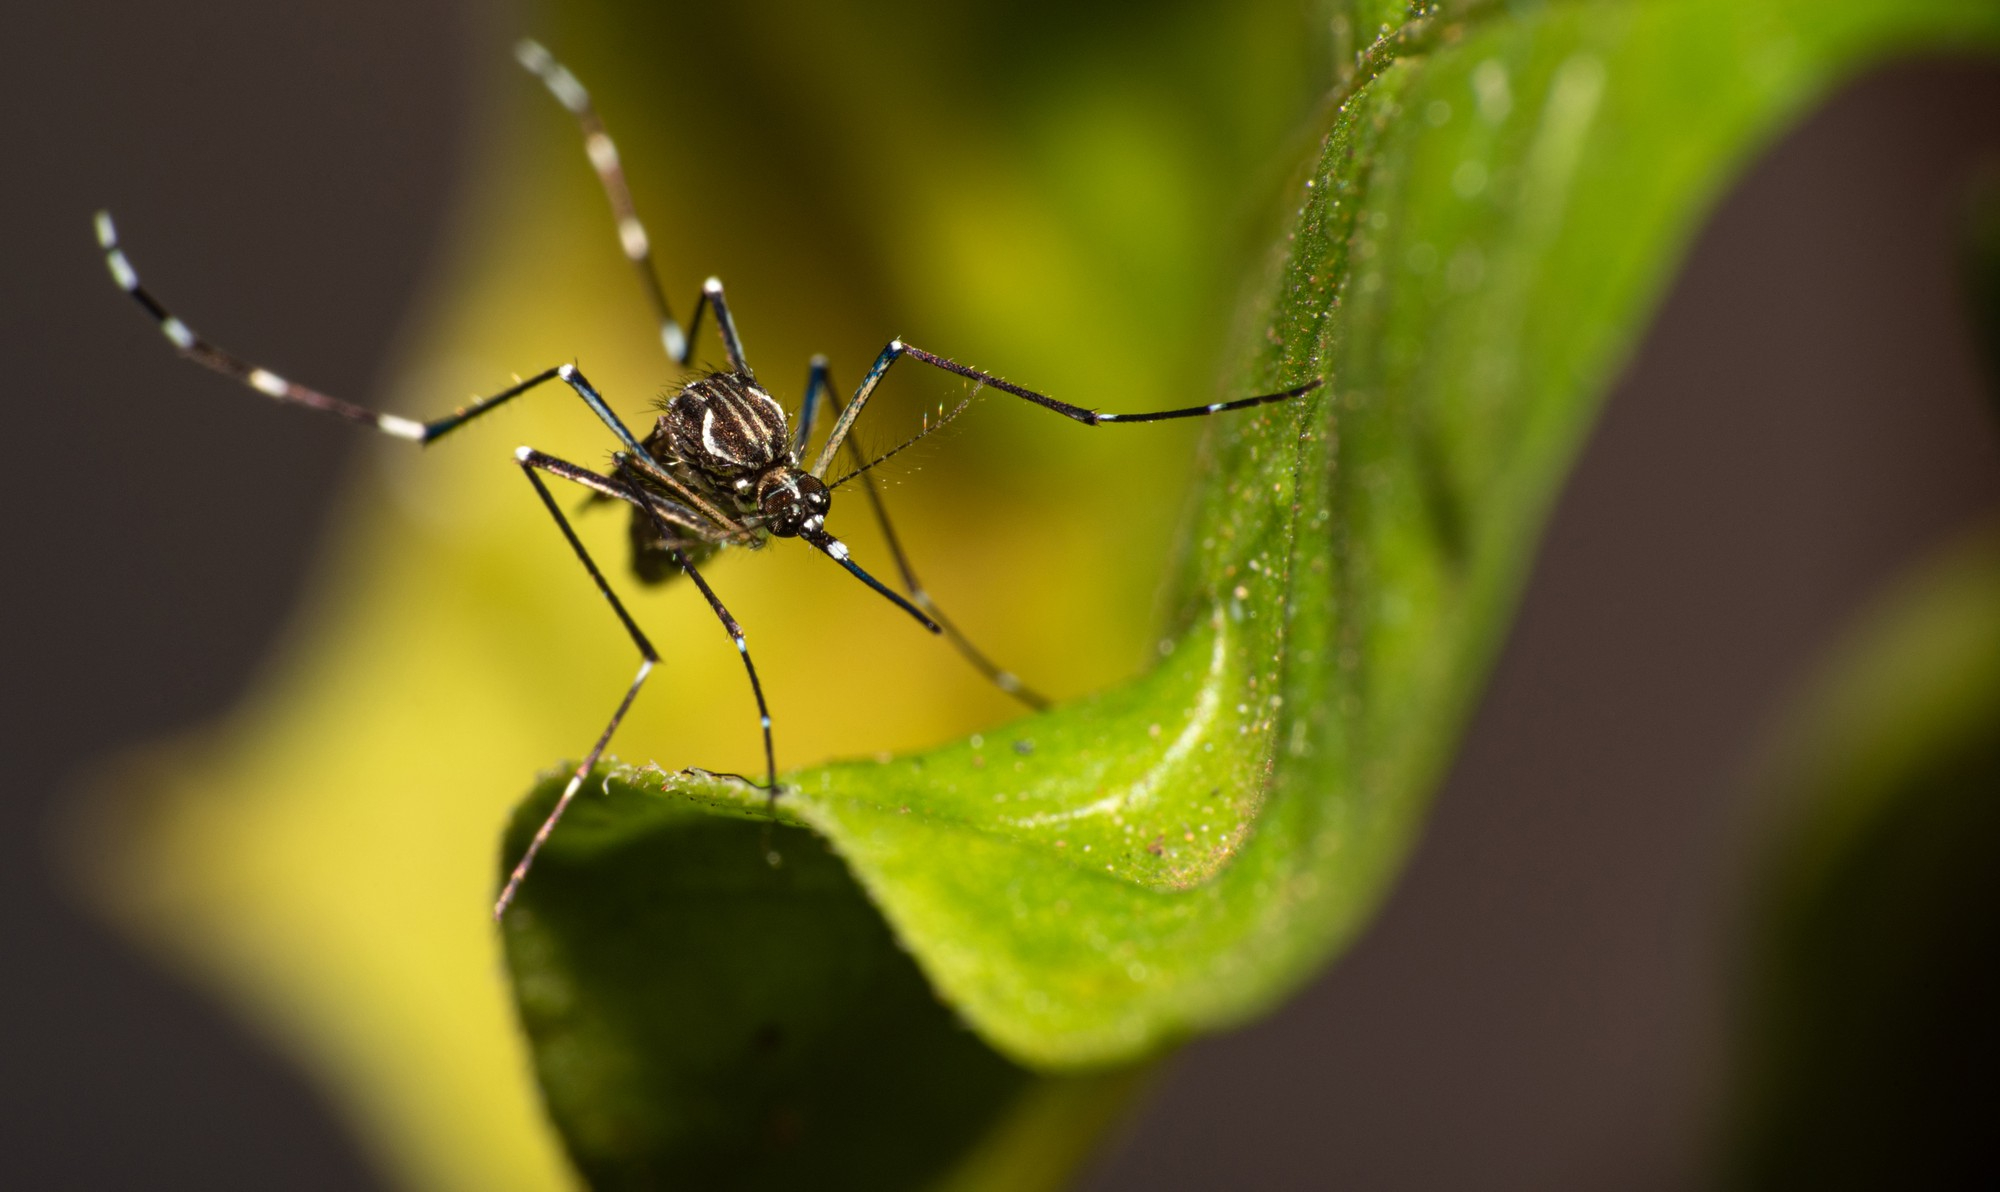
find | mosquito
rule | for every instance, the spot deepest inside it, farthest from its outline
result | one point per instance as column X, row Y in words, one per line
column 723, row 465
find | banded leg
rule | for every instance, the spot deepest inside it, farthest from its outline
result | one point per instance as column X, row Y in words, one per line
column 638, row 246
column 697, row 527
column 263, row 380
column 735, row 632
column 725, row 324
column 819, row 383
column 271, row 385
column 897, row 349
column 666, row 515
column 648, row 658
column 604, row 158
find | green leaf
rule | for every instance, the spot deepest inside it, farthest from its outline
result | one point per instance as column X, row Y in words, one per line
column 1499, row 197
column 703, row 1015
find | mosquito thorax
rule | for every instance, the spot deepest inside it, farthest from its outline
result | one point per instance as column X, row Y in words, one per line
column 792, row 501
column 725, row 425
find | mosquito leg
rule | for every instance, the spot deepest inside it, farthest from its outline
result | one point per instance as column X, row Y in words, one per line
column 750, row 668
column 263, row 380
column 604, row 159
column 639, row 457
column 271, row 385
column 898, row 349
column 819, row 383
column 648, row 658
column 668, row 516
column 692, row 523
column 733, row 345
column 603, row 154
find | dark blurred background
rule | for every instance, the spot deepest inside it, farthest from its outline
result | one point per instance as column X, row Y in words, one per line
column 243, row 126
column 1542, row 1003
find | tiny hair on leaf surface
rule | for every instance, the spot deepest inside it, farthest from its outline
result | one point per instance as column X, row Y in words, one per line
column 1500, row 195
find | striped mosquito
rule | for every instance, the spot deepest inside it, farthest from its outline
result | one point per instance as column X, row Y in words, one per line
column 722, row 466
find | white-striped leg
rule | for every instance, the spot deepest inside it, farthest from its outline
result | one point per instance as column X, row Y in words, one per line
column 735, row 632
column 603, row 156
column 632, row 237
column 725, row 323
column 279, row 388
column 897, row 349
column 819, row 383
column 263, row 380
column 530, row 460
column 693, row 526
column 677, row 525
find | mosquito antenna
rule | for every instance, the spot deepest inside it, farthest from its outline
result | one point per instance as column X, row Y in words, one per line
column 836, row 550
column 914, row 439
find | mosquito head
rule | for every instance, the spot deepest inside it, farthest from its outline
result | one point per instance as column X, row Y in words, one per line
column 792, row 501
